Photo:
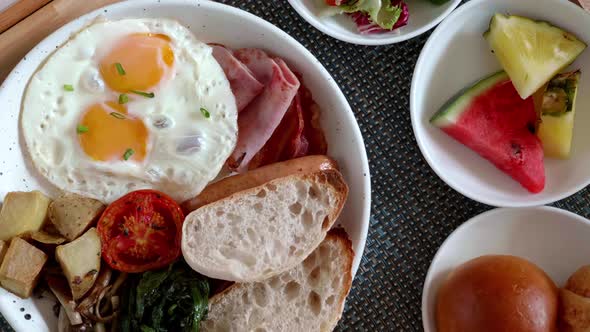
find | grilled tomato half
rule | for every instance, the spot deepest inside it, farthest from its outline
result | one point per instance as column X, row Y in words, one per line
column 141, row 231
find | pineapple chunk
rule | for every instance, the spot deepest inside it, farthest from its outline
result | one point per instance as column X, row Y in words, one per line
column 531, row 52
column 557, row 115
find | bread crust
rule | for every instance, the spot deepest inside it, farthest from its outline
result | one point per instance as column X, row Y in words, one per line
column 254, row 178
column 340, row 235
column 335, row 179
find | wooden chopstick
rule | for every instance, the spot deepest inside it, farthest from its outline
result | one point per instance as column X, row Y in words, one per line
column 22, row 37
column 18, row 11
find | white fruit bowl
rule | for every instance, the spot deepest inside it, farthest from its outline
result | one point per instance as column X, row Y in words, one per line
column 455, row 56
column 210, row 22
column 553, row 239
column 424, row 16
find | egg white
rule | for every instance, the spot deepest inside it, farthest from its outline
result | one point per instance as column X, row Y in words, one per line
column 173, row 164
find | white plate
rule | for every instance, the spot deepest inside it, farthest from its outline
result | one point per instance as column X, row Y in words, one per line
column 555, row 240
column 211, row 22
column 424, row 15
column 455, row 56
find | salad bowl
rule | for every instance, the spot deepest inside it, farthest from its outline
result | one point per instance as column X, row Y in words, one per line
column 423, row 16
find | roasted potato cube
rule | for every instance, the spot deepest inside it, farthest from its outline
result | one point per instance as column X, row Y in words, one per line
column 22, row 212
column 47, row 238
column 20, row 269
column 73, row 214
column 3, row 248
column 80, row 261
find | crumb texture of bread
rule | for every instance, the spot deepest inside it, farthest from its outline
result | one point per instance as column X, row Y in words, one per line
column 261, row 232
column 309, row 297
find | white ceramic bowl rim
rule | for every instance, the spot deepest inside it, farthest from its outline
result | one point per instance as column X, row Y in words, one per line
column 360, row 40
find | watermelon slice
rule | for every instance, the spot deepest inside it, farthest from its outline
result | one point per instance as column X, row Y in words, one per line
column 491, row 119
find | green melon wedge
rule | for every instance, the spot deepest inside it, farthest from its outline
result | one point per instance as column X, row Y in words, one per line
column 531, row 52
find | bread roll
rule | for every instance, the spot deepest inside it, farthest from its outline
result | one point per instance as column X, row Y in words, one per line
column 497, row 293
column 575, row 302
column 574, row 312
column 579, row 282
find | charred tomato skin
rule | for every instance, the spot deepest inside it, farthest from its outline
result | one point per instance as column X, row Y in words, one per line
column 141, row 231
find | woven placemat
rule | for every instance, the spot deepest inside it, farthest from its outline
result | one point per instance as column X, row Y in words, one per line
column 413, row 211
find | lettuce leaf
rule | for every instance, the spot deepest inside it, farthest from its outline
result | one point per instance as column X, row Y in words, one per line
column 380, row 12
column 387, row 15
column 370, row 7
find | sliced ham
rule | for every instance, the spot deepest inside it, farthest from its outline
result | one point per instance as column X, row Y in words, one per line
column 279, row 121
column 299, row 133
column 287, row 141
column 258, row 121
column 301, row 148
column 243, row 83
column 258, row 62
column 312, row 132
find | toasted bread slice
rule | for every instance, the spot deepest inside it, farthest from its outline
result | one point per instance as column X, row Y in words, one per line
column 309, row 297
column 258, row 233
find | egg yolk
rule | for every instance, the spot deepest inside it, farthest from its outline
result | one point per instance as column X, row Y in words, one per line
column 109, row 133
column 137, row 62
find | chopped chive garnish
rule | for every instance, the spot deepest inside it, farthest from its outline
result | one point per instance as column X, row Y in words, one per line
column 145, row 94
column 81, row 129
column 120, row 69
column 118, row 115
column 123, row 98
column 128, row 153
column 68, row 87
column 205, row 112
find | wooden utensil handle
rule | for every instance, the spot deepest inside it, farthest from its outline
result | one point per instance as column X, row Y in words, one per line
column 18, row 40
column 18, row 11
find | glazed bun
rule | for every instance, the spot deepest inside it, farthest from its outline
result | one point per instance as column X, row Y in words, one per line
column 497, row 293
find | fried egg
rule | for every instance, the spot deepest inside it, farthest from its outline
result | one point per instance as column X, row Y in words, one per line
column 130, row 104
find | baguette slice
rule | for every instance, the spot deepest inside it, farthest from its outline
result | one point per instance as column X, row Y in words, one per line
column 256, row 177
column 258, row 233
column 309, row 297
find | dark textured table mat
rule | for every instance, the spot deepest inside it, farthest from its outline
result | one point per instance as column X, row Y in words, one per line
column 413, row 211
